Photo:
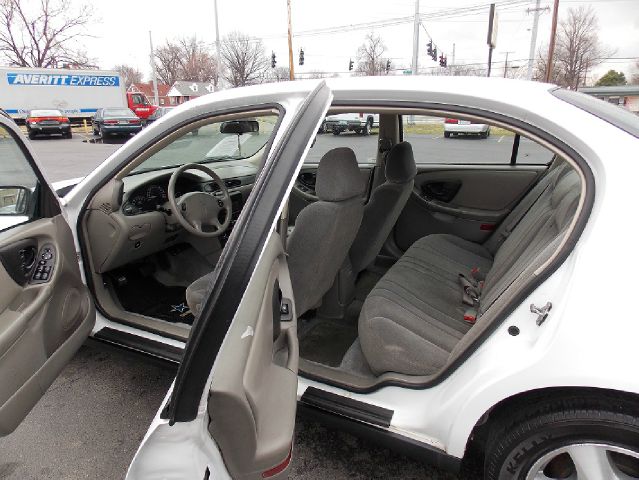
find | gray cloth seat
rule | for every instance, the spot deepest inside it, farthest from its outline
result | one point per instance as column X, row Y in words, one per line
column 325, row 230
column 323, row 234
column 384, row 206
column 414, row 316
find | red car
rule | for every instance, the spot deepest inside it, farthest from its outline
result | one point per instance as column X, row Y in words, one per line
column 48, row 122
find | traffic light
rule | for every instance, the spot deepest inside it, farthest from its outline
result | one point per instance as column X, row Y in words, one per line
column 429, row 49
column 273, row 61
column 350, row 65
column 442, row 60
column 301, row 56
column 387, row 66
column 434, row 54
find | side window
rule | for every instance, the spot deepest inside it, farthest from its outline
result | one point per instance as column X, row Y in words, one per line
column 462, row 142
column 357, row 130
column 18, row 183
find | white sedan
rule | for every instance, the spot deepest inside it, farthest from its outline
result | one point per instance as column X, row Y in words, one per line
column 425, row 304
column 456, row 126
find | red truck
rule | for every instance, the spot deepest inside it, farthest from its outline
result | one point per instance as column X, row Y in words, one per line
column 140, row 104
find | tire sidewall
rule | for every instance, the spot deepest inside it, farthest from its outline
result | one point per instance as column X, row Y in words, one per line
column 515, row 461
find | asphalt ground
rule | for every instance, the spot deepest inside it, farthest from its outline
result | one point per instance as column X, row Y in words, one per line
column 91, row 420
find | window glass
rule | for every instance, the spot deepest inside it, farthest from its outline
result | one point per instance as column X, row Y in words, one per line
column 462, row 142
column 18, row 183
column 118, row 112
column 215, row 142
column 357, row 131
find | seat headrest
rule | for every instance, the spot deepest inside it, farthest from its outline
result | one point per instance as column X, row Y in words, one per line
column 338, row 176
column 400, row 163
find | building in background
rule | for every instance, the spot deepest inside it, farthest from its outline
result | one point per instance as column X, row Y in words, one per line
column 623, row 95
column 182, row 91
column 147, row 90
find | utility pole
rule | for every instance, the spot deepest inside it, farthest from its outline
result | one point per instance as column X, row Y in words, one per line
column 506, row 63
column 153, row 72
column 291, row 64
column 492, row 36
column 453, row 61
column 533, row 40
column 217, row 47
column 415, row 64
column 551, row 47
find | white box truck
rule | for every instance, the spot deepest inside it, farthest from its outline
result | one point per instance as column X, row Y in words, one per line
column 76, row 93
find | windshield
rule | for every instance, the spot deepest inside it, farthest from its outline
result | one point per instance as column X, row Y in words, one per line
column 208, row 144
column 119, row 112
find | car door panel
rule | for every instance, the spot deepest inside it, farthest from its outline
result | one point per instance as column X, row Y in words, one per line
column 42, row 322
column 461, row 200
column 251, row 399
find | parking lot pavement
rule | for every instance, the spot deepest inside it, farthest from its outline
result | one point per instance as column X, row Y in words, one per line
column 92, row 419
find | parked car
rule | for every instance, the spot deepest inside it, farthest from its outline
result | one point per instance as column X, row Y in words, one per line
column 360, row 123
column 48, row 122
column 159, row 113
column 455, row 126
column 115, row 121
column 444, row 309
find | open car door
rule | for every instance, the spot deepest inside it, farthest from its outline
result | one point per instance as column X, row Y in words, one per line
column 46, row 311
column 231, row 412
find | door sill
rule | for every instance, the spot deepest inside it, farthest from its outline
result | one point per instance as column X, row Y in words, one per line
column 139, row 344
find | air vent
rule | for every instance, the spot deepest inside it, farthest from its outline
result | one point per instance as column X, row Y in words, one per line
column 233, row 182
column 106, row 208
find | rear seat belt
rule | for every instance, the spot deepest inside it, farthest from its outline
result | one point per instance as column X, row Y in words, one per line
column 517, row 220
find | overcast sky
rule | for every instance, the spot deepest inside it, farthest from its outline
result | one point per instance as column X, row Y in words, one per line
column 121, row 29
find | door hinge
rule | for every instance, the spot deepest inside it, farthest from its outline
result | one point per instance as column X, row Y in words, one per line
column 542, row 313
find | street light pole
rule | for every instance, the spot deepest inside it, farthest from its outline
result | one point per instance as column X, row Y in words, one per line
column 217, row 47
column 533, row 40
column 156, row 96
column 416, row 39
column 291, row 64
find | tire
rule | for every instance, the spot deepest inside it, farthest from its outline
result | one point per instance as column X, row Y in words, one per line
column 483, row 135
column 488, row 132
column 549, row 435
column 322, row 128
column 446, row 134
column 32, row 134
column 367, row 128
column 336, row 132
column 68, row 134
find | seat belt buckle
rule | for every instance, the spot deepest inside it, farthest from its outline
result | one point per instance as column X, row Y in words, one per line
column 477, row 274
column 470, row 295
column 470, row 316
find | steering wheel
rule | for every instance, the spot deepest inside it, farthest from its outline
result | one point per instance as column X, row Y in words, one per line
column 197, row 212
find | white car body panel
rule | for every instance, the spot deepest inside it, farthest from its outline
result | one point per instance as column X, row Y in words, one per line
column 465, row 127
column 589, row 338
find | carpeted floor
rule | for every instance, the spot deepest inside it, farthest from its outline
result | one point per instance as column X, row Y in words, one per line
column 144, row 295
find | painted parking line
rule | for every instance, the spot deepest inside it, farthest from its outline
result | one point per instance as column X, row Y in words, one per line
column 500, row 139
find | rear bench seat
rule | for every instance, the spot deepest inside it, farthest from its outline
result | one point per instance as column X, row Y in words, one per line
column 414, row 316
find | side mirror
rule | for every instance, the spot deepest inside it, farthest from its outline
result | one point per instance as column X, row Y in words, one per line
column 240, row 127
column 14, row 200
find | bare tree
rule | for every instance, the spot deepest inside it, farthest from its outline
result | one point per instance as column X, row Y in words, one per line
column 634, row 80
column 577, row 50
column 369, row 56
column 185, row 59
column 45, row 35
column 129, row 74
column 244, row 60
column 278, row 74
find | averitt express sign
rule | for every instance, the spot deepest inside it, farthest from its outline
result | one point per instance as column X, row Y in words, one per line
column 63, row 80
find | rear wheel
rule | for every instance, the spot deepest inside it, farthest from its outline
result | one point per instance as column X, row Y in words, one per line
column 446, row 134
column 367, row 128
column 336, row 131
column 32, row 134
column 68, row 134
column 577, row 439
column 483, row 135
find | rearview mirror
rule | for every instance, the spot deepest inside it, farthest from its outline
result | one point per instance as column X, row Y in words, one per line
column 14, row 200
column 240, row 127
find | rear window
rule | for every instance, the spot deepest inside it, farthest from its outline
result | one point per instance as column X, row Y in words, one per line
column 615, row 115
column 45, row 113
column 119, row 112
